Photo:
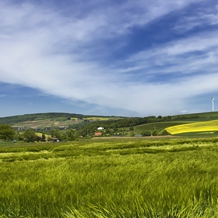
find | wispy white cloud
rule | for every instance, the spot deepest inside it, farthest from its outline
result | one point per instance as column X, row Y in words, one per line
column 190, row 55
column 201, row 18
column 44, row 49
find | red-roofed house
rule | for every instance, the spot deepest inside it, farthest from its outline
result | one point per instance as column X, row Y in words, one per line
column 98, row 133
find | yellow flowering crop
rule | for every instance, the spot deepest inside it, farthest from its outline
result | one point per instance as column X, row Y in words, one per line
column 40, row 134
column 206, row 126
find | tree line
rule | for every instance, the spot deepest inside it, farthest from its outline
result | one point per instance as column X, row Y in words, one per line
column 7, row 133
column 87, row 128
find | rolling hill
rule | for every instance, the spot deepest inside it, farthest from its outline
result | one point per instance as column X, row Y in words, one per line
column 176, row 124
column 52, row 120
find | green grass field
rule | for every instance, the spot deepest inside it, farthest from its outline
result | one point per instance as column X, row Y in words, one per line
column 129, row 178
column 158, row 126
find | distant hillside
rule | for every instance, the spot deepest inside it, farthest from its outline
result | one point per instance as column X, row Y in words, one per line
column 177, row 121
column 89, row 123
column 11, row 120
column 49, row 120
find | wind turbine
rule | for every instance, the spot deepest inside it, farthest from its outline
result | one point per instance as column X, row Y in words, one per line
column 212, row 100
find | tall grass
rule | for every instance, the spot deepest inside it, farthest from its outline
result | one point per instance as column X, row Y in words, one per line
column 111, row 179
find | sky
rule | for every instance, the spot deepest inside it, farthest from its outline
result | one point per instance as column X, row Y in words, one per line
column 115, row 58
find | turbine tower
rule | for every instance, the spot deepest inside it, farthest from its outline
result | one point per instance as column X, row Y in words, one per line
column 212, row 100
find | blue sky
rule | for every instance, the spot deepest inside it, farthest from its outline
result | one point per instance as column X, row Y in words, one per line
column 129, row 58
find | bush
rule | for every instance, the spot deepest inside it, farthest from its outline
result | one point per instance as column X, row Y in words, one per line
column 146, row 133
column 164, row 132
column 6, row 132
column 155, row 133
column 29, row 135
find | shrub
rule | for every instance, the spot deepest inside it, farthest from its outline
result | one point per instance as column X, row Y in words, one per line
column 164, row 132
column 6, row 132
column 146, row 133
column 29, row 135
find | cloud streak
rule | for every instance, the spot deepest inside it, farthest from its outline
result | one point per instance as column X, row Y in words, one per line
column 65, row 52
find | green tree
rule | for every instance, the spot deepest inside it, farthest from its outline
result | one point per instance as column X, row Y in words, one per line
column 29, row 135
column 43, row 137
column 108, row 132
column 115, row 130
column 56, row 133
column 6, row 132
column 131, row 128
column 70, row 135
column 132, row 134
column 19, row 136
column 155, row 133
column 146, row 133
column 159, row 117
column 164, row 132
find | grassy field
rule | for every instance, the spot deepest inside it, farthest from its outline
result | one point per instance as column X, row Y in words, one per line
column 100, row 118
column 158, row 126
column 128, row 178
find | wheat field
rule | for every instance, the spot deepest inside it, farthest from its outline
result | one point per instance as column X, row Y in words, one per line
column 110, row 178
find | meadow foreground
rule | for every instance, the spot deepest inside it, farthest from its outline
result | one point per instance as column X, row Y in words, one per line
column 110, row 178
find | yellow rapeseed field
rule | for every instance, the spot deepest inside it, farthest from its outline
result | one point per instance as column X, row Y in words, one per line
column 40, row 134
column 206, row 126
column 97, row 118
